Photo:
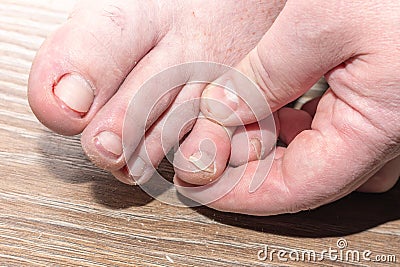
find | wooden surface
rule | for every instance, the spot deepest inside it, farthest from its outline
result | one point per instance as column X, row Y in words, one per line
column 57, row 209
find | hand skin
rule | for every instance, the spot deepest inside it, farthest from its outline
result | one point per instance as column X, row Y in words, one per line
column 354, row 140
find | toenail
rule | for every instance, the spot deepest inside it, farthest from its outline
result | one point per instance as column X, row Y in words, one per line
column 221, row 102
column 75, row 92
column 111, row 142
column 257, row 147
column 197, row 159
column 138, row 169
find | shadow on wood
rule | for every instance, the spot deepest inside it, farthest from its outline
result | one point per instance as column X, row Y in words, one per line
column 353, row 214
column 67, row 162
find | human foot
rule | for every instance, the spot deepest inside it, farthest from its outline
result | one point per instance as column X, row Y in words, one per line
column 86, row 73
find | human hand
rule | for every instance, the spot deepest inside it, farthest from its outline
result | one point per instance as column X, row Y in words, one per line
column 354, row 139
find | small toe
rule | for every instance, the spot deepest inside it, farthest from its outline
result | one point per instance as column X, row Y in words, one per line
column 204, row 154
column 133, row 110
column 166, row 133
column 253, row 142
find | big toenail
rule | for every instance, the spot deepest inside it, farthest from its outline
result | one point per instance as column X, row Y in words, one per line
column 221, row 102
column 75, row 92
column 198, row 160
column 110, row 142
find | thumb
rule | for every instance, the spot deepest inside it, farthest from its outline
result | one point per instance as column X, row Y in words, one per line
column 300, row 47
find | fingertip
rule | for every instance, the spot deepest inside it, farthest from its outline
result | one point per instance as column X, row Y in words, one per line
column 311, row 106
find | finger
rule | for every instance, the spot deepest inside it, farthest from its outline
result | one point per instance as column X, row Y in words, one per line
column 289, row 59
column 292, row 122
column 311, row 106
column 320, row 165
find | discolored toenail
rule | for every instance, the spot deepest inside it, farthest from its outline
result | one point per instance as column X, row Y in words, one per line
column 75, row 93
column 198, row 160
column 257, row 147
column 221, row 102
column 110, row 142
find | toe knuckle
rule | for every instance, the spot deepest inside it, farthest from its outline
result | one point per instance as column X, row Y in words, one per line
column 116, row 15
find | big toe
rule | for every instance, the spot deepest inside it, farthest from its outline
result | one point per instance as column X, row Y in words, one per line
column 80, row 67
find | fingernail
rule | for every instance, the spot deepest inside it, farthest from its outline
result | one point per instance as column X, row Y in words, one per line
column 221, row 102
column 110, row 142
column 75, row 92
column 197, row 159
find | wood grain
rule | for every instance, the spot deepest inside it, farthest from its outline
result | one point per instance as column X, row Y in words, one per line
column 57, row 209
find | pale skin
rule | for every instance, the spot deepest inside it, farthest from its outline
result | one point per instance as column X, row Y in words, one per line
column 352, row 142
column 117, row 45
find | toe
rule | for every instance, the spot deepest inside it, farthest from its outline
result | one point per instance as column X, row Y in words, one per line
column 234, row 100
column 259, row 139
column 145, row 95
column 204, row 154
column 166, row 132
column 81, row 65
column 137, row 105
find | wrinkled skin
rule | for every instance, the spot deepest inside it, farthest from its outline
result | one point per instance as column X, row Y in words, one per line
column 353, row 141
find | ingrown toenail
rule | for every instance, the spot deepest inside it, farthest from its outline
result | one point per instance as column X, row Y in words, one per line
column 111, row 142
column 221, row 102
column 75, row 92
column 196, row 160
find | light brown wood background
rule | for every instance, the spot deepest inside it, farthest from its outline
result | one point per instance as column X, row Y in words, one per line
column 57, row 209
